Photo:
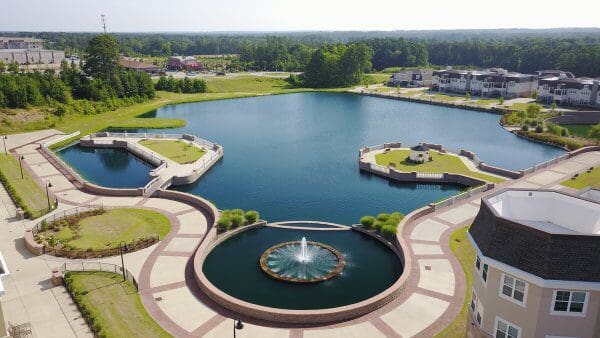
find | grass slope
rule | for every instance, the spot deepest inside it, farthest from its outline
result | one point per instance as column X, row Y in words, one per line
column 31, row 195
column 464, row 251
column 114, row 305
column 584, row 179
column 580, row 130
column 115, row 225
column 178, row 151
column 441, row 163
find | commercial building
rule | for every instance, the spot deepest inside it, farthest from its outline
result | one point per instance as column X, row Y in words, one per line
column 537, row 270
column 186, row 63
column 563, row 88
column 21, row 43
column 140, row 66
column 412, row 78
column 32, row 57
column 494, row 82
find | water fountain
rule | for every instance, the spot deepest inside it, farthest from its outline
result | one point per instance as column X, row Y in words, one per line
column 302, row 261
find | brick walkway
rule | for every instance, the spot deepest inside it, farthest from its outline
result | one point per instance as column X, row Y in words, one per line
column 434, row 295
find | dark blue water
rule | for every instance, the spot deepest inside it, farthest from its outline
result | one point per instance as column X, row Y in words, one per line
column 114, row 168
column 294, row 157
column 370, row 268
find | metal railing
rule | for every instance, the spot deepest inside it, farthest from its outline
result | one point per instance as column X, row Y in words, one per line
column 60, row 139
column 197, row 140
column 98, row 266
column 62, row 214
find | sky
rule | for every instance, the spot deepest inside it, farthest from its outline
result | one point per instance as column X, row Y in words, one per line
column 298, row 15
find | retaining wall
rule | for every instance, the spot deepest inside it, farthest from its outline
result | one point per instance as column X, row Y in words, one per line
column 577, row 117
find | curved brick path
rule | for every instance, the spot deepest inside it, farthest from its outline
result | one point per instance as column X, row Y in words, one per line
column 433, row 297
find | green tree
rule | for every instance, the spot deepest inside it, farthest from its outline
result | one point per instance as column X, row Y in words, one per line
column 13, row 67
column 2, row 67
column 102, row 57
column 533, row 110
column 553, row 106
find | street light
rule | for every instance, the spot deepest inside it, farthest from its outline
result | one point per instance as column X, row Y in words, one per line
column 4, row 139
column 237, row 325
column 21, row 158
column 48, row 185
column 123, row 245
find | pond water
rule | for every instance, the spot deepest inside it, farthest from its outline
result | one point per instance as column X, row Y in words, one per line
column 295, row 156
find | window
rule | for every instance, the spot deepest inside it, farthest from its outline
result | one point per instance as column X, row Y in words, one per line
column 569, row 302
column 478, row 263
column 505, row 329
column 473, row 301
column 479, row 313
column 484, row 274
column 513, row 288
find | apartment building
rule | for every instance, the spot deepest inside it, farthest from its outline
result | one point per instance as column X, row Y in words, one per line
column 412, row 78
column 537, row 270
column 563, row 88
column 494, row 82
column 21, row 43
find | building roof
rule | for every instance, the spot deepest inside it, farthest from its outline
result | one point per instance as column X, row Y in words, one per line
column 133, row 64
column 550, row 234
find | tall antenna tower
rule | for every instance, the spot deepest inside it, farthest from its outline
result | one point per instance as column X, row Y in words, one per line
column 103, row 21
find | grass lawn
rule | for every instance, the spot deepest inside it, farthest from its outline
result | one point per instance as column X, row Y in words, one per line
column 585, row 179
column 178, row 151
column 464, row 251
column 580, row 130
column 485, row 102
column 31, row 195
column 245, row 84
column 446, row 98
column 110, row 228
column 114, row 306
column 441, row 163
column 377, row 78
column 519, row 106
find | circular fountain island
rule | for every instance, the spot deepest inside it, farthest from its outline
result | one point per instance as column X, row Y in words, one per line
column 331, row 274
column 302, row 262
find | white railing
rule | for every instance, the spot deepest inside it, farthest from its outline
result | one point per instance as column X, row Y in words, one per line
column 430, row 176
column 197, row 140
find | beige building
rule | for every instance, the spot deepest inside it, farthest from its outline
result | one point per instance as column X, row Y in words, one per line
column 537, row 271
column 21, row 43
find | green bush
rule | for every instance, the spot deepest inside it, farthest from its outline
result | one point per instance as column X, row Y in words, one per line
column 525, row 127
column 377, row 225
column 389, row 231
column 564, row 132
column 397, row 216
column 367, row 221
column 552, row 139
column 238, row 212
column 224, row 223
column 383, row 217
column 251, row 216
column 539, row 129
column 236, row 221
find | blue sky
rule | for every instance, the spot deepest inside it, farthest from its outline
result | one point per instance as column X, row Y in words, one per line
column 285, row 15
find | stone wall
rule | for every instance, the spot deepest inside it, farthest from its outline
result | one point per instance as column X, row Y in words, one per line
column 577, row 117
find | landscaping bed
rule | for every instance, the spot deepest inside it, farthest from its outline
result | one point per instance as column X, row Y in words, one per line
column 178, row 151
column 99, row 233
column 384, row 224
column 231, row 219
column 111, row 306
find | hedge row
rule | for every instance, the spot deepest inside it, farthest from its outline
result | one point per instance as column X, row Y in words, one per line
column 15, row 196
column 385, row 224
column 231, row 219
column 551, row 139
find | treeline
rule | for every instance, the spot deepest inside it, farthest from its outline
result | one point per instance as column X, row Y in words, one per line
column 102, row 84
column 337, row 66
column 185, row 85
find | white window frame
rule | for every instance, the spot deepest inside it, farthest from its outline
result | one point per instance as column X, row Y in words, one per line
column 498, row 319
column 479, row 311
column 487, row 272
column 567, row 313
column 511, row 298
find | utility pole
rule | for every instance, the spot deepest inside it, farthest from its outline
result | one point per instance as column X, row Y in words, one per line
column 103, row 21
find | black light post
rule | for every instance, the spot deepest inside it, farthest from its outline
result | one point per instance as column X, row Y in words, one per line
column 237, row 325
column 122, row 245
column 21, row 158
column 48, row 185
column 4, row 139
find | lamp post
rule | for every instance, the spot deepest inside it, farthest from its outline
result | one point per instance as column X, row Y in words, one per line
column 4, row 139
column 237, row 325
column 21, row 158
column 122, row 245
column 48, row 185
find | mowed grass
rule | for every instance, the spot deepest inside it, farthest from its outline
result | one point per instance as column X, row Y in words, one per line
column 519, row 106
column 446, row 98
column 113, row 304
column 114, row 226
column 441, row 163
column 178, row 151
column 580, row 130
column 585, row 179
column 465, row 253
column 246, row 84
column 30, row 193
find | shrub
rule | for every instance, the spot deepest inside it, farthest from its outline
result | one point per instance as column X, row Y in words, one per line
column 238, row 212
column 224, row 223
column 389, row 231
column 251, row 216
column 398, row 216
column 377, row 225
column 552, row 139
column 525, row 127
column 383, row 217
column 236, row 221
column 564, row 132
column 539, row 129
column 367, row 221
